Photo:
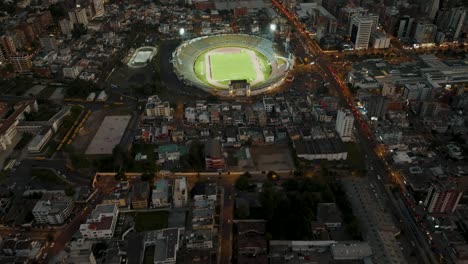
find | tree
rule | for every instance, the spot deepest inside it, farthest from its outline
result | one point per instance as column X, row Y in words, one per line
column 57, row 10
column 243, row 211
column 242, row 183
column 271, row 175
column 78, row 30
column 146, row 176
column 70, row 191
column 121, row 158
column 120, row 176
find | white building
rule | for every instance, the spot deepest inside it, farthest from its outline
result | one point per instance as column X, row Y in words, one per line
column 180, row 195
column 101, row 222
column 160, row 193
column 8, row 126
column 361, row 28
column 40, row 140
column 71, row 71
column 380, row 41
column 344, row 124
column 268, row 104
column 53, row 209
column 268, row 135
column 102, row 97
column 200, row 239
column 81, row 251
column 156, row 107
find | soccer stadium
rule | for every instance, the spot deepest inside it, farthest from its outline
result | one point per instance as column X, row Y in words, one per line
column 231, row 64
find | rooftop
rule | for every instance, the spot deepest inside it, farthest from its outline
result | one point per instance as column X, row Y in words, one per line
column 102, row 209
column 251, row 226
column 104, row 224
column 166, row 243
column 347, row 250
column 53, row 204
column 140, row 191
column 213, row 148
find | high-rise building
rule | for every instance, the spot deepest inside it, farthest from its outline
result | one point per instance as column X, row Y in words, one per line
column 45, row 19
column 48, row 42
column 361, row 29
column 21, row 62
column 442, row 197
column 425, row 32
column 377, row 106
column 458, row 19
column 404, row 26
column 2, row 56
column 78, row 16
column 346, row 14
column 7, row 44
column 379, row 40
column 451, row 21
column 66, row 26
column 391, row 18
column 344, row 124
column 98, row 8
column 432, row 6
column 334, row 6
column 28, row 30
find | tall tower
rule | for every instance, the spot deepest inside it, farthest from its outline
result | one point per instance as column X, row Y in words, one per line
column 98, row 8
column 78, row 16
column 457, row 21
column 425, row 32
column 442, row 197
column 403, row 29
column 361, row 29
column 66, row 26
column 344, row 124
column 432, row 9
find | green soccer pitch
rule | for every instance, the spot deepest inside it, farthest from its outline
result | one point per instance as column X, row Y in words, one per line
column 232, row 66
column 228, row 66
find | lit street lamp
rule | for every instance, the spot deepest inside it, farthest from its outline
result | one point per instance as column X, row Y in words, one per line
column 273, row 27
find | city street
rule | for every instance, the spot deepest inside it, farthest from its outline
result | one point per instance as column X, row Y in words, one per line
column 364, row 136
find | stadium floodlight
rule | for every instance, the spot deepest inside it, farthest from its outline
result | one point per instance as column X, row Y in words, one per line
column 182, row 31
column 273, row 27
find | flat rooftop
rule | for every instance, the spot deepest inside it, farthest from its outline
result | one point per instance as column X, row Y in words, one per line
column 108, row 135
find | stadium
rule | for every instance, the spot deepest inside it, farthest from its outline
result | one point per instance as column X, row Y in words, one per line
column 141, row 56
column 231, row 64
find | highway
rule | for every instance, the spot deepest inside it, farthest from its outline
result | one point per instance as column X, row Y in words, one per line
column 364, row 136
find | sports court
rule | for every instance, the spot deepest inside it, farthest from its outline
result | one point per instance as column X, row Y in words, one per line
column 109, row 135
column 143, row 56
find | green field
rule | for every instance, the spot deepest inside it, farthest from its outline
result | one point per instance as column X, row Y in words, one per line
column 231, row 66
